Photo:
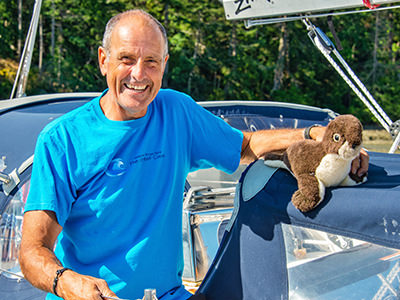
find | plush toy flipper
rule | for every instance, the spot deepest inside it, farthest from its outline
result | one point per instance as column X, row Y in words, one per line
column 353, row 179
column 277, row 160
column 310, row 193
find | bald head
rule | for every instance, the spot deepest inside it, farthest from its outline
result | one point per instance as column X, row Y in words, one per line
column 135, row 13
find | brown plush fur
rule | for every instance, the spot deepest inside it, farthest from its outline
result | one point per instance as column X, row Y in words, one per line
column 317, row 165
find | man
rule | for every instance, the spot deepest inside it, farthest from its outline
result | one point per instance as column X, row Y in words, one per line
column 108, row 177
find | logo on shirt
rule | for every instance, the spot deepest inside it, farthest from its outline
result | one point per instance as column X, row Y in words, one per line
column 147, row 157
column 117, row 167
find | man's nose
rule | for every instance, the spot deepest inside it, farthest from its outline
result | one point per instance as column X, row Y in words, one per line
column 138, row 71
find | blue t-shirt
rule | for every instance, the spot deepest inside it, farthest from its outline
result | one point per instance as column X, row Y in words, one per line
column 117, row 188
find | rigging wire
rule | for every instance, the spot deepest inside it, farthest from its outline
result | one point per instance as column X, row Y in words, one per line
column 26, row 57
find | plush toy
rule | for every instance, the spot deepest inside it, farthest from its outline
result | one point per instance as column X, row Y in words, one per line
column 317, row 165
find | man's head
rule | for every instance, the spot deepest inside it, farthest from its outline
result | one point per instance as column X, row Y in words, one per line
column 114, row 20
column 133, row 59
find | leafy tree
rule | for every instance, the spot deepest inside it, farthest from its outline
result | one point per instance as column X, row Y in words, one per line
column 211, row 58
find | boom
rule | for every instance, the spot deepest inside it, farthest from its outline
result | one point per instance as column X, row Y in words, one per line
column 248, row 9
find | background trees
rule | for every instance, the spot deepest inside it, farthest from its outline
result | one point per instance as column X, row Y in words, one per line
column 211, row 58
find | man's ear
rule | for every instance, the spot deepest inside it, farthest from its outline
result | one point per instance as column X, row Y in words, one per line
column 102, row 55
column 165, row 62
column 166, row 59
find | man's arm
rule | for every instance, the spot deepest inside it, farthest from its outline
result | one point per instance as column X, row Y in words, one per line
column 39, row 264
column 256, row 144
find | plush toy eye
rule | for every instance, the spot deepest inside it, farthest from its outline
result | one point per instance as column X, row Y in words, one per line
column 336, row 137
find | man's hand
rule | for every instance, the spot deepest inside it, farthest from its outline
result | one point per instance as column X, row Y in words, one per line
column 39, row 264
column 317, row 133
column 74, row 286
column 359, row 165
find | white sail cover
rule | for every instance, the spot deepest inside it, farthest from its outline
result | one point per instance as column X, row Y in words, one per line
column 246, row 9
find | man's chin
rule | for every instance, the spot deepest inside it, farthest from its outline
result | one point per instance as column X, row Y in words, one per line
column 133, row 108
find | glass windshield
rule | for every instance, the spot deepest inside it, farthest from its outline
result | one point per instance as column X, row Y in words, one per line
column 327, row 266
column 215, row 178
column 10, row 231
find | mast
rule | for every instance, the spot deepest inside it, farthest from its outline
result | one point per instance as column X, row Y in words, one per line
column 26, row 57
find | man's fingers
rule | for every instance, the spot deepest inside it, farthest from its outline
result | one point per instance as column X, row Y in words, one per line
column 360, row 164
column 364, row 162
column 105, row 290
column 355, row 165
column 74, row 286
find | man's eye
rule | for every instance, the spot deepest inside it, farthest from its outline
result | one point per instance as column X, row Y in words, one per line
column 127, row 60
column 152, row 63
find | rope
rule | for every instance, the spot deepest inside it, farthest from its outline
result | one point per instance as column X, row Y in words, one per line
column 363, row 88
column 395, row 144
column 326, row 53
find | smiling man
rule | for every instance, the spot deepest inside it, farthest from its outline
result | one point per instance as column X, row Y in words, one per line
column 133, row 58
column 108, row 178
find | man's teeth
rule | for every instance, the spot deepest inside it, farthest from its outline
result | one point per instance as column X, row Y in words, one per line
column 136, row 87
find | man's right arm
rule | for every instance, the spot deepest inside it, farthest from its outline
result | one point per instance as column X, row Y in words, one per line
column 257, row 143
column 39, row 263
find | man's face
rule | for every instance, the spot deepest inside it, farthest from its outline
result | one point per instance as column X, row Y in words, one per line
column 134, row 68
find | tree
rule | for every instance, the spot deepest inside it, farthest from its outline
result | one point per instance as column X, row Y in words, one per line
column 210, row 57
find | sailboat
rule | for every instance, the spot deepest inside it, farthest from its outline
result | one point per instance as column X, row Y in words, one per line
column 242, row 238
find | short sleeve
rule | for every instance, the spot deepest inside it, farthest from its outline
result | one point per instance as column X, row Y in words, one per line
column 50, row 187
column 214, row 142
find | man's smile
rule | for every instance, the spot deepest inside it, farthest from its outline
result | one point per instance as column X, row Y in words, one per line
column 136, row 87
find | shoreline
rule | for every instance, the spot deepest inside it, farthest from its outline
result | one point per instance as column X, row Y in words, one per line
column 378, row 140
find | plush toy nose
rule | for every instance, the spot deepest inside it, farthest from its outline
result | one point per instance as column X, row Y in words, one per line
column 355, row 145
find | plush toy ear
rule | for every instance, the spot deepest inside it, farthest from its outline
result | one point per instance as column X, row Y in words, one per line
column 310, row 193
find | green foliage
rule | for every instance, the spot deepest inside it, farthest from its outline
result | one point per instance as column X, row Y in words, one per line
column 211, row 58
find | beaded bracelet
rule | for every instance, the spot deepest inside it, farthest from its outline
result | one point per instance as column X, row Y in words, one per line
column 58, row 275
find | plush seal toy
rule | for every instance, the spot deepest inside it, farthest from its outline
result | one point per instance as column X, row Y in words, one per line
column 317, row 165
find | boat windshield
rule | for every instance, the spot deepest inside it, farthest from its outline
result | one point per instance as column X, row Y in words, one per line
column 11, row 231
column 327, row 266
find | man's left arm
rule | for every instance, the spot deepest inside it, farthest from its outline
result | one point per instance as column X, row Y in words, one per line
column 256, row 144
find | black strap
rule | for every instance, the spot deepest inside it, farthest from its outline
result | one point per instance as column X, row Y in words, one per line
column 307, row 131
column 58, row 275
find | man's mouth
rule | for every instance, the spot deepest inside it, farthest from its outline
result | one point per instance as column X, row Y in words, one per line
column 136, row 87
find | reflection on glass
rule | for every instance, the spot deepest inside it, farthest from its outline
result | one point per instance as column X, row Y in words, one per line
column 215, row 178
column 10, row 231
column 327, row 266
